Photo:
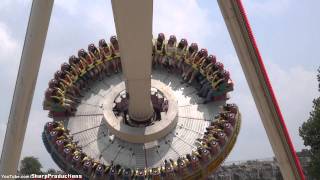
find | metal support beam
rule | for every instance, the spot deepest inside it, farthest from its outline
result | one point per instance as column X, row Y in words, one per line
column 133, row 20
column 25, row 85
column 257, row 78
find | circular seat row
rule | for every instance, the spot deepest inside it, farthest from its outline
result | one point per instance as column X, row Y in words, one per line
column 215, row 143
column 65, row 90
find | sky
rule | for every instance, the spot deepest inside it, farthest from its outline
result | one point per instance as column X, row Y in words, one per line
column 287, row 33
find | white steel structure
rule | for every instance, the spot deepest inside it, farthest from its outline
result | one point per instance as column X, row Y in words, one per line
column 25, row 84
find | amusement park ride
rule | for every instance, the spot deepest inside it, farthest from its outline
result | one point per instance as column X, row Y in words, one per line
column 143, row 122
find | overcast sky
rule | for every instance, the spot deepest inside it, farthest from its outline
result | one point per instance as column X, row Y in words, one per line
column 287, row 33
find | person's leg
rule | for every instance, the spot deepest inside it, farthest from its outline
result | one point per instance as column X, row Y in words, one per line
column 110, row 67
column 205, row 89
column 203, row 81
column 153, row 61
column 105, row 69
column 159, row 60
column 199, row 77
column 188, row 74
column 96, row 72
column 178, row 66
column 76, row 90
column 209, row 96
column 118, row 62
column 193, row 75
column 170, row 64
column 164, row 62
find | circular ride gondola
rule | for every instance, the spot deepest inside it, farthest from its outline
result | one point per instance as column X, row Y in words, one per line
column 92, row 134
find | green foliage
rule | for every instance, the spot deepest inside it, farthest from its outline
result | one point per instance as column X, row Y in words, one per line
column 310, row 133
column 51, row 171
column 30, row 165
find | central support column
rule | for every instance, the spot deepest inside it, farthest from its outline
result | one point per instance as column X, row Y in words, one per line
column 133, row 20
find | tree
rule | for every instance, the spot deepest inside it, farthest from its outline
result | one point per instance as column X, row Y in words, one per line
column 310, row 133
column 30, row 165
column 51, row 171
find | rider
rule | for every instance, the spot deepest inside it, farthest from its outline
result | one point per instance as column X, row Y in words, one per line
column 107, row 57
column 196, row 61
column 220, row 85
column 115, row 49
column 69, row 79
column 181, row 53
column 86, row 59
column 170, row 49
column 97, row 57
column 76, row 71
column 192, row 51
column 205, row 63
column 211, row 74
column 66, row 85
column 57, row 102
column 159, row 49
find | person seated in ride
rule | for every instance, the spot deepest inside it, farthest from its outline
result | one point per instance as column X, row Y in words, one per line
column 220, row 85
column 50, row 104
column 127, row 174
column 182, row 165
column 78, row 71
column 82, row 67
column 62, row 90
column 76, row 160
column 196, row 61
column 140, row 174
column 192, row 51
column 68, row 79
column 60, row 93
column 157, row 104
column 208, row 137
column 120, row 170
column 63, row 142
column 112, row 172
column 193, row 160
column 181, row 53
column 174, row 164
column 211, row 59
column 87, row 167
column 159, row 49
column 222, row 137
column 115, row 49
column 169, row 60
column 58, row 103
column 66, row 86
column 211, row 74
column 122, row 108
column 106, row 54
column 50, row 125
column 204, row 153
column 87, row 60
column 211, row 69
column 57, row 133
column 155, row 173
column 67, row 154
column 168, row 169
column 228, row 117
column 99, row 172
column 98, row 60
column 214, row 147
column 72, row 72
column 232, row 108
